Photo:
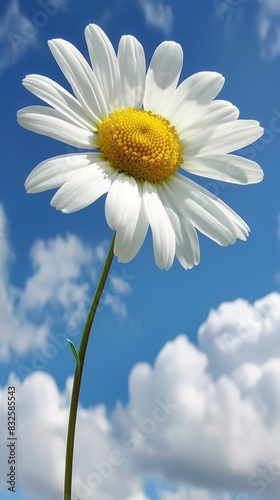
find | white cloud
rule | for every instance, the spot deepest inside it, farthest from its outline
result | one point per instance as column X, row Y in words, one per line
column 115, row 303
column 64, row 270
column 266, row 19
column 42, row 424
column 58, row 291
column 271, row 6
column 158, row 15
column 17, row 333
column 239, row 332
column 268, row 23
column 60, row 266
column 17, row 34
column 190, row 493
column 119, row 286
column 191, row 420
column 207, row 440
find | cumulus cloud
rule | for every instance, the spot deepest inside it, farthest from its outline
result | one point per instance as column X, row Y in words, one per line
column 218, row 436
column 43, row 412
column 158, row 15
column 190, row 420
column 64, row 271
column 60, row 266
column 59, row 289
column 269, row 27
column 239, row 332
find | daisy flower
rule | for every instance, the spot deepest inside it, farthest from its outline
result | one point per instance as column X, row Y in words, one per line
column 142, row 133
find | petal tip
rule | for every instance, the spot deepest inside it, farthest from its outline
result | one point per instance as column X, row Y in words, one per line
column 260, row 175
column 51, row 42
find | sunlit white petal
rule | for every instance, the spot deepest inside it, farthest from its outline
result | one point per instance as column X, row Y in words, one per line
column 205, row 117
column 162, row 231
column 105, row 65
column 208, row 215
column 81, row 78
column 52, row 173
column 187, row 245
column 232, row 136
column 196, row 91
column 48, row 121
column 132, row 64
column 224, row 167
column 125, row 212
column 127, row 242
column 162, row 76
column 84, row 187
column 57, row 97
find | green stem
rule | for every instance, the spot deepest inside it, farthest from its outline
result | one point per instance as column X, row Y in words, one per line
column 79, row 373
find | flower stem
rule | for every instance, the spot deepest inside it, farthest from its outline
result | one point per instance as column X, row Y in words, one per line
column 79, row 373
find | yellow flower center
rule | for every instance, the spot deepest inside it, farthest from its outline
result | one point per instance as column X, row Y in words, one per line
column 141, row 144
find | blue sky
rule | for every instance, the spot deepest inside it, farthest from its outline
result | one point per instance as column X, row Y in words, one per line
column 206, row 338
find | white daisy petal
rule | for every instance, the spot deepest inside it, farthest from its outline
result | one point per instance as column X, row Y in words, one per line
column 47, row 121
column 210, row 227
column 197, row 90
column 232, row 136
column 132, row 64
column 224, row 167
column 209, row 215
column 241, row 228
column 202, row 87
column 205, row 117
column 57, row 97
column 52, row 173
column 198, row 129
column 187, row 245
column 194, row 140
column 163, row 234
column 84, row 187
column 81, row 78
column 125, row 213
column 162, row 76
column 123, row 194
column 186, row 255
column 105, row 65
column 127, row 242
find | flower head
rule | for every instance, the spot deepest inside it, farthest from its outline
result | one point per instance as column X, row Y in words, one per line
column 143, row 133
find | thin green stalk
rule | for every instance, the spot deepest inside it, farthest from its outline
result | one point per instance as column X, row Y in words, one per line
column 79, row 374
